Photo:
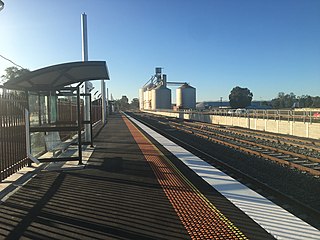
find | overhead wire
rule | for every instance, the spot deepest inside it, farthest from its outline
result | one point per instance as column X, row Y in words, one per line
column 17, row 65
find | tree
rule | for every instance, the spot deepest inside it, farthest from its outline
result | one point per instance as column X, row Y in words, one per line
column 291, row 101
column 134, row 103
column 316, row 102
column 122, row 104
column 284, row 100
column 305, row 101
column 240, row 97
column 13, row 72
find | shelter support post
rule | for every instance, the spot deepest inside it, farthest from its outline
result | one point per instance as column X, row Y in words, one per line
column 79, row 126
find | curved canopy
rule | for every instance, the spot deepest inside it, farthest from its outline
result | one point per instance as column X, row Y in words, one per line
column 58, row 76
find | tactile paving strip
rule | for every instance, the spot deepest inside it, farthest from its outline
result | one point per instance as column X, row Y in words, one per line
column 199, row 216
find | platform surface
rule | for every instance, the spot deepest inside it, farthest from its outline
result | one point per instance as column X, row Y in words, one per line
column 116, row 196
column 127, row 190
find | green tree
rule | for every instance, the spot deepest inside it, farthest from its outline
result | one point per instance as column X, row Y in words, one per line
column 13, row 72
column 291, row 100
column 122, row 104
column 240, row 97
column 316, row 102
column 305, row 101
column 284, row 100
column 134, row 103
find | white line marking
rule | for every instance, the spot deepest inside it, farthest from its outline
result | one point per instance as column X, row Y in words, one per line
column 274, row 219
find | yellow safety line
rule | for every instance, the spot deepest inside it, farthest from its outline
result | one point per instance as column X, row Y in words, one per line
column 221, row 215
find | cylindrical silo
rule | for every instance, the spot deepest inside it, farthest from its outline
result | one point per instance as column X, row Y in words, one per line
column 161, row 98
column 148, row 96
column 149, row 103
column 145, row 99
column 141, row 98
column 186, row 97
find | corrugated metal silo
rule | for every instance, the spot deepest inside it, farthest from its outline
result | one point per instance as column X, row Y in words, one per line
column 148, row 96
column 145, row 99
column 141, row 98
column 161, row 98
column 149, row 103
column 186, row 97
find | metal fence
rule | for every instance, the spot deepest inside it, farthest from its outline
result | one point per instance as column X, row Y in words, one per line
column 310, row 116
column 67, row 112
column 13, row 155
column 96, row 110
column 12, row 132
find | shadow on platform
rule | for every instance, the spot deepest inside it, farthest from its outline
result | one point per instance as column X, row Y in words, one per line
column 115, row 197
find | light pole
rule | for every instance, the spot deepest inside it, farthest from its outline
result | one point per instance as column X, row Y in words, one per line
column 87, row 133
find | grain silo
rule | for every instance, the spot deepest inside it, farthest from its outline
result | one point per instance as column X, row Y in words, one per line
column 161, row 98
column 141, row 98
column 145, row 99
column 186, row 97
column 156, row 95
column 147, row 96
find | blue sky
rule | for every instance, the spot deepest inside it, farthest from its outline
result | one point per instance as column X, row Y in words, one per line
column 268, row 46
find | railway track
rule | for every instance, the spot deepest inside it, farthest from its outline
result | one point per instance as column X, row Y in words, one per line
column 301, row 144
column 300, row 154
column 255, row 146
column 299, row 203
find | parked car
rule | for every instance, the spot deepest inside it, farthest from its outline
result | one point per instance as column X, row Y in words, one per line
column 241, row 111
column 317, row 114
column 231, row 111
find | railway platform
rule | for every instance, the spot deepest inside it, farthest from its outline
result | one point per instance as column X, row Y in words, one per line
column 132, row 187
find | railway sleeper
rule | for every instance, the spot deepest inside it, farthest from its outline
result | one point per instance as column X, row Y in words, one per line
column 258, row 149
column 311, row 164
column 284, row 156
column 291, row 159
column 301, row 162
column 271, row 153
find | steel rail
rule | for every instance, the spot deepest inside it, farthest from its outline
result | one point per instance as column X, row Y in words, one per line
column 263, row 152
column 313, row 159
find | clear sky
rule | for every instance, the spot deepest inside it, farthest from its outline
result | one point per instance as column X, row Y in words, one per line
column 268, row 46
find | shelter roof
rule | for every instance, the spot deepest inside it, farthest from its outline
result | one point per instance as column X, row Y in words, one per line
column 58, row 76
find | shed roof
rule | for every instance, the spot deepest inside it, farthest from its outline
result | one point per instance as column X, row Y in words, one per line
column 57, row 76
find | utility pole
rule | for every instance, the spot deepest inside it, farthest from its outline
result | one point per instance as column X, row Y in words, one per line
column 87, row 102
column 103, row 102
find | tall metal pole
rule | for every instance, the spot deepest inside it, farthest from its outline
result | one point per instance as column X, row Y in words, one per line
column 108, row 106
column 84, row 37
column 86, row 85
column 103, row 101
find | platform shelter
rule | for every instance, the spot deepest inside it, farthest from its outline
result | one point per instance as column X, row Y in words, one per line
column 55, row 121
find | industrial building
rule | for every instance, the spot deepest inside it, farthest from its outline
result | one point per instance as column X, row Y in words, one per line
column 155, row 94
